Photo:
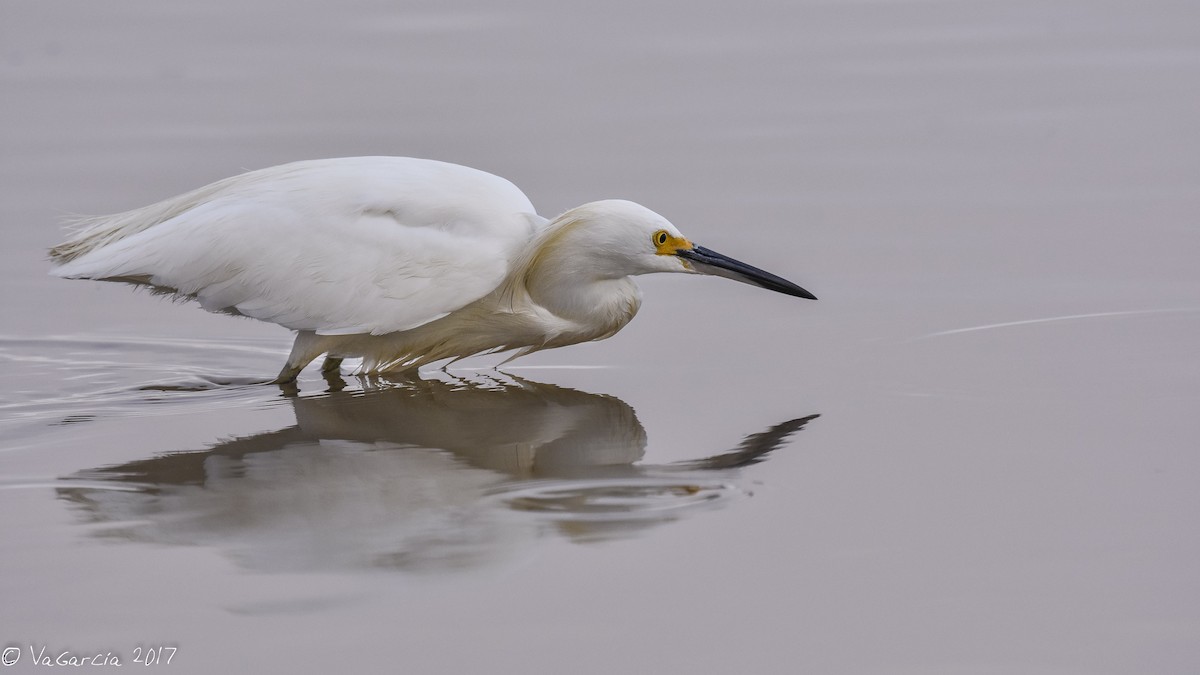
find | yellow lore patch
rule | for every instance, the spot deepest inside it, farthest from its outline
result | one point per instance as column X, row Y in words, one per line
column 667, row 244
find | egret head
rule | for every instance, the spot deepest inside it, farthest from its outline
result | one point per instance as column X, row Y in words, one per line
column 631, row 239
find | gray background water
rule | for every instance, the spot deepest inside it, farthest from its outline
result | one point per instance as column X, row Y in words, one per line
column 995, row 201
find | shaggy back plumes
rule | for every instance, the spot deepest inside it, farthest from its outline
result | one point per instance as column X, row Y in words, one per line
column 89, row 233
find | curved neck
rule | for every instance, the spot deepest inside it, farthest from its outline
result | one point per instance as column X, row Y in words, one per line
column 578, row 284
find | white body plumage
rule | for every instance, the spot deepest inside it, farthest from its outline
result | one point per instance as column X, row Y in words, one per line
column 399, row 261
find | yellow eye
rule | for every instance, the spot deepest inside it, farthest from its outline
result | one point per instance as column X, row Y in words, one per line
column 660, row 238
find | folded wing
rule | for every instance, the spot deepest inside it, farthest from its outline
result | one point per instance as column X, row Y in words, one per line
column 356, row 245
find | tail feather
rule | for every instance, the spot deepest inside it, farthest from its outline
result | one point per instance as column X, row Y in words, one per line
column 89, row 233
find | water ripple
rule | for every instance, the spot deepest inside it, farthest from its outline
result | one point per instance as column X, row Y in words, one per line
column 613, row 499
column 66, row 380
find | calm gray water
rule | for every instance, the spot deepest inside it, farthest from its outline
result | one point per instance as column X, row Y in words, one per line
column 995, row 201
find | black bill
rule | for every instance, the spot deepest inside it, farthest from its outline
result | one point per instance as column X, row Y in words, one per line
column 711, row 262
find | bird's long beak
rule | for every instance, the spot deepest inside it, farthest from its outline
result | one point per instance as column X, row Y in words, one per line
column 705, row 261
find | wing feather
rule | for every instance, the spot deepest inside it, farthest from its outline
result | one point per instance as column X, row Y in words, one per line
column 358, row 245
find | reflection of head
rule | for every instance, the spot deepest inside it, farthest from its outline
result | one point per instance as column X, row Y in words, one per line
column 428, row 475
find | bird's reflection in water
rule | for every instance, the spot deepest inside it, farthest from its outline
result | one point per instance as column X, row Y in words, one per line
column 423, row 475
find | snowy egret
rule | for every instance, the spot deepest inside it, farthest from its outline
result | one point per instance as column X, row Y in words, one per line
column 400, row 261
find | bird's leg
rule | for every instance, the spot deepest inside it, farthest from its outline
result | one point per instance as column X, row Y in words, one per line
column 288, row 375
column 331, row 370
column 306, row 348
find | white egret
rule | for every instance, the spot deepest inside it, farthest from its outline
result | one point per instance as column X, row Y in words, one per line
column 400, row 261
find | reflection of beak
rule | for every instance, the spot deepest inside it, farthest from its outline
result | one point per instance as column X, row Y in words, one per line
column 705, row 261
